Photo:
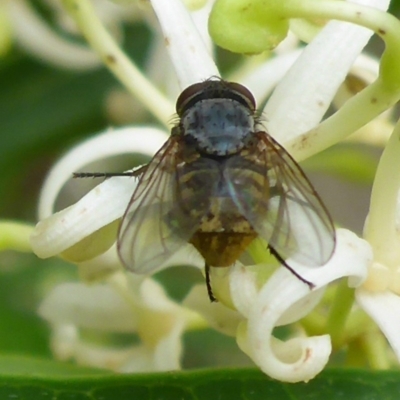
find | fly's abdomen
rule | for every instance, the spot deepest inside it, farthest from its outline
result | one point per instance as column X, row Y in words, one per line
column 223, row 234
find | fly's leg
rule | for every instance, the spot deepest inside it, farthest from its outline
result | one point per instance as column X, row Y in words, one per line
column 283, row 262
column 208, row 284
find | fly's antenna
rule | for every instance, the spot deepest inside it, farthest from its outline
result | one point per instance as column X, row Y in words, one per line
column 134, row 173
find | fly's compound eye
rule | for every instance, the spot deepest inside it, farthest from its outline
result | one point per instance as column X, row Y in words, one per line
column 186, row 97
column 214, row 89
column 243, row 92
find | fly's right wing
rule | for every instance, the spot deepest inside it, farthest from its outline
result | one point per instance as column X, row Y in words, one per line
column 274, row 195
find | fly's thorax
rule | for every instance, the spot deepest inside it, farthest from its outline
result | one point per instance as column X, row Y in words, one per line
column 217, row 127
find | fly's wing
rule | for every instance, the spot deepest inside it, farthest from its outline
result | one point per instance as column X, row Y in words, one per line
column 157, row 222
column 274, row 195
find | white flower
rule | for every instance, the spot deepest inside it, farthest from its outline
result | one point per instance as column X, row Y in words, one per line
column 283, row 299
column 380, row 294
column 141, row 307
column 250, row 304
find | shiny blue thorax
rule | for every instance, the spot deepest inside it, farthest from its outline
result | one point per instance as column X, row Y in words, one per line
column 218, row 126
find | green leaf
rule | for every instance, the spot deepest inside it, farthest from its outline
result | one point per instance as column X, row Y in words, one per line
column 22, row 366
column 218, row 384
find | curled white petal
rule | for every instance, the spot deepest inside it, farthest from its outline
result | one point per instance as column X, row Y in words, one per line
column 351, row 258
column 101, row 206
column 36, row 37
column 192, row 61
column 384, row 309
column 95, row 307
column 308, row 355
column 301, row 307
column 243, row 288
column 303, row 96
column 217, row 315
column 284, row 298
column 114, row 142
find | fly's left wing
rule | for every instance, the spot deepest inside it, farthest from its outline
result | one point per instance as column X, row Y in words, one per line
column 159, row 219
column 274, row 195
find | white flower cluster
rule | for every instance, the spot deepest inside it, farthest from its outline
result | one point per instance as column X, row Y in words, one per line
column 303, row 83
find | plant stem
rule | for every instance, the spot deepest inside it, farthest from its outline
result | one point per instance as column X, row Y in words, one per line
column 375, row 347
column 15, row 236
column 123, row 68
column 381, row 228
column 339, row 312
column 371, row 101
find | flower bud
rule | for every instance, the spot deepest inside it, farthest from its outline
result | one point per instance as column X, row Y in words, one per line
column 245, row 26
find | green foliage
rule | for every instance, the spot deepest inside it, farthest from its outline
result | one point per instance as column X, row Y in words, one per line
column 50, row 380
